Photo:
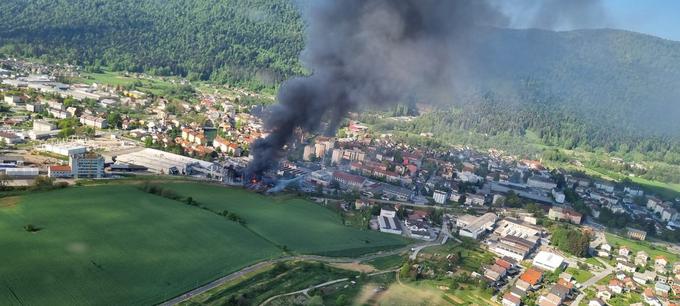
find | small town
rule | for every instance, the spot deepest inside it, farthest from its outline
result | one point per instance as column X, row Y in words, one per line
column 545, row 236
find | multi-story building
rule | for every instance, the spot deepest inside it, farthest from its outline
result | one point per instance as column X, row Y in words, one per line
column 94, row 121
column 636, row 234
column 58, row 113
column 13, row 100
column 336, row 156
column 34, row 107
column 563, row 213
column 43, row 126
column 440, row 196
column 308, row 152
column 541, row 182
column 348, row 180
column 320, row 150
column 10, row 138
column 87, row 165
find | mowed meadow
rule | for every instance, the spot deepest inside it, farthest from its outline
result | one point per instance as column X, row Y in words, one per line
column 118, row 245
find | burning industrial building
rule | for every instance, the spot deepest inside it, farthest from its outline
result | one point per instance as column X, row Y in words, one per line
column 377, row 52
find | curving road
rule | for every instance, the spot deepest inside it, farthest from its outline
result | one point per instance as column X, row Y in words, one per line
column 592, row 281
column 328, row 283
column 260, row 265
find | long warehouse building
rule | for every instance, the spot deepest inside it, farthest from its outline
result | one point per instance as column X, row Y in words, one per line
column 161, row 162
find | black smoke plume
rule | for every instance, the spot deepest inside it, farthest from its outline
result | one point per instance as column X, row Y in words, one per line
column 372, row 52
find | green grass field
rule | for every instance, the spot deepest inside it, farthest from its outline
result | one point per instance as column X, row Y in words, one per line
column 117, row 245
column 155, row 85
column 580, row 275
column 292, row 222
column 636, row 246
column 387, row 262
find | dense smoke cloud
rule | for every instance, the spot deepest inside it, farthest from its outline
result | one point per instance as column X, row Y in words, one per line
column 372, row 52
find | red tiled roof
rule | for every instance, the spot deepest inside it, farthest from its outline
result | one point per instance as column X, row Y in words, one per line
column 531, row 276
column 349, row 178
column 503, row 263
column 510, row 297
column 60, row 168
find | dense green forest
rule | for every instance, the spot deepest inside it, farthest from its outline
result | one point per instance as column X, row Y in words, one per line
column 248, row 42
column 596, row 90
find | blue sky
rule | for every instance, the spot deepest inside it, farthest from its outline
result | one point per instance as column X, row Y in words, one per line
column 655, row 17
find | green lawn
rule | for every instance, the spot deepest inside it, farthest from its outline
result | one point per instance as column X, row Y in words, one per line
column 636, row 246
column 155, row 85
column 116, row 245
column 625, row 299
column 387, row 262
column 292, row 222
column 593, row 261
column 580, row 275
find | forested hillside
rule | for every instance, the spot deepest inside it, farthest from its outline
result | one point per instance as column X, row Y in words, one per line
column 220, row 40
column 592, row 89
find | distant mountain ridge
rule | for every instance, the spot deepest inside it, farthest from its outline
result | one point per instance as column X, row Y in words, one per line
column 608, row 76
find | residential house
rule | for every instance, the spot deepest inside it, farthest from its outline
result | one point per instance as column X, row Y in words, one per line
column 629, row 283
column 625, row 267
column 615, row 286
column 494, row 273
column 529, row 280
column 649, row 297
column 641, row 258
column 511, row 300
column 10, row 138
column 597, row 302
column 662, row 289
column 555, row 297
column 644, row 277
column 603, row 292
column 660, row 264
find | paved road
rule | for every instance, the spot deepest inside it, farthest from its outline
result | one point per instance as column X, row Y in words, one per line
column 592, row 281
column 328, row 283
column 405, row 203
column 260, row 265
column 443, row 236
